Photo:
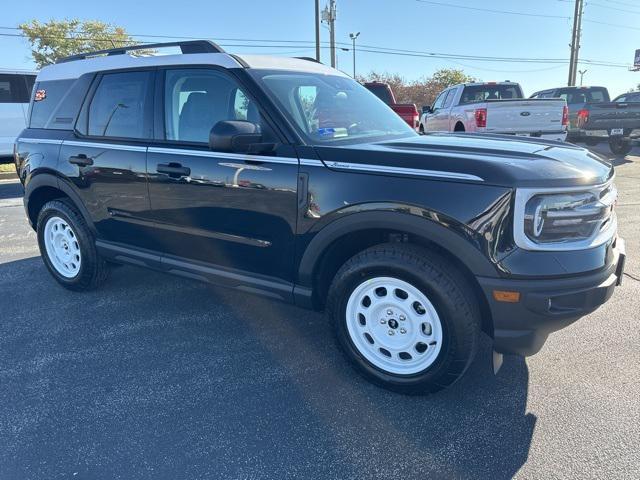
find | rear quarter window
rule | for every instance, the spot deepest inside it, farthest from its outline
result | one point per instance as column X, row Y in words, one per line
column 45, row 112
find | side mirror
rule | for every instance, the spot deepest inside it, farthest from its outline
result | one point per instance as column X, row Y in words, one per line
column 238, row 136
column 426, row 109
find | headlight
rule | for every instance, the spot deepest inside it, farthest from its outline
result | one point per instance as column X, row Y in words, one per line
column 565, row 220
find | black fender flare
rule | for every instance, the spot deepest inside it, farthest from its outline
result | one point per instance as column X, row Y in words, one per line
column 445, row 237
column 47, row 179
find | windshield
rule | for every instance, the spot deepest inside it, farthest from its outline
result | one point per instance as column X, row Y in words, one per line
column 332, row 108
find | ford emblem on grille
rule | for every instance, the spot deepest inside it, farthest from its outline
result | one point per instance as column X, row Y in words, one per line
column 525, row 114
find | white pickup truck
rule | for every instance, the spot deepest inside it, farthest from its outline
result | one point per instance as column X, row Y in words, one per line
column 493, row 107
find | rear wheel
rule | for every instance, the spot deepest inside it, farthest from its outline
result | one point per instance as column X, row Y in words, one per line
column 620, row 146
column 459, row 127
column 68, row 248
column 405, row 318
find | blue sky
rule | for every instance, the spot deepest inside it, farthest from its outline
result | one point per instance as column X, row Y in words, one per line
column 399, row 24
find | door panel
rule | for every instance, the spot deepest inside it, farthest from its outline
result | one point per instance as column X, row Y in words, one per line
column 113, row 186
column 235, row 211
column 106, row 159
column 231, row 210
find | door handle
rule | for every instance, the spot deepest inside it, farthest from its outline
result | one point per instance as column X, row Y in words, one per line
column 174, row 170
column 81, row 159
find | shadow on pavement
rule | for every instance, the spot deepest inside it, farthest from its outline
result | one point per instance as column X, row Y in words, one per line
column 11, row 190
column 157, row 377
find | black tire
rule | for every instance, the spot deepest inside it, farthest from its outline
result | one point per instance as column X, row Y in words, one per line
column 592, row 142
column 94, row 269
column 444, row 286
column 459, row 128
column 620, row 147
column 421, row 129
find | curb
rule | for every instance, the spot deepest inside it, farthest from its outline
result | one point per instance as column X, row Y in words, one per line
column 8, row 175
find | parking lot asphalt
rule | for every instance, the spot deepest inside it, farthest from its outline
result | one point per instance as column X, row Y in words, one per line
column 159, row 377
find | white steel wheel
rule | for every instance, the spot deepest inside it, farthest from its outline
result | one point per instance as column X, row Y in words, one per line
column 394, row 325
column 63, row 249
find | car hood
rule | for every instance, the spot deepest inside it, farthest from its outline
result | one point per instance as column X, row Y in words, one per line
column 492, row 159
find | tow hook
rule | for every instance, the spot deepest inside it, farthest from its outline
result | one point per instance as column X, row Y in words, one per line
column 497, row 362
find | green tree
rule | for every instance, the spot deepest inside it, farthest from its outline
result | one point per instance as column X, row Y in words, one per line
column 55, row 39
column 422, row 91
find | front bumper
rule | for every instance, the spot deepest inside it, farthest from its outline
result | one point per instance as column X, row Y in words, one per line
column 547, row 305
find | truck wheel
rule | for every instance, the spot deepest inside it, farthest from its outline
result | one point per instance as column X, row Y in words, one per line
column 67, row 247
column 405, row 318
column 421, row 129
column 619, row 146
column 459, row 127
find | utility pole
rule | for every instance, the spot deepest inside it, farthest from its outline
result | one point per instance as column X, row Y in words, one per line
column 575, row 42
column 582, row 72
column 353, row 37
column 317, row 30
column 329, row 16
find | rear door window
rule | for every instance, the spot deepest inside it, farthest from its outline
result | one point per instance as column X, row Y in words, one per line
column 14, row 88
column 120, row 106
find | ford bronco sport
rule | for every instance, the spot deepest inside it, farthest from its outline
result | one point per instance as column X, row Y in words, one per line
column 285, row 178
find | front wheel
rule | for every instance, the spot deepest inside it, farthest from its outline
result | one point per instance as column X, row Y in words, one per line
column 619, row 146
column 405, row 318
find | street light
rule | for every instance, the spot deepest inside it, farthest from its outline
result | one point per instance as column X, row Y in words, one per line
column 353, row 37
column 582, row 72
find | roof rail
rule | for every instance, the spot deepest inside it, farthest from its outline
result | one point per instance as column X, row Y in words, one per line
column 190, row 46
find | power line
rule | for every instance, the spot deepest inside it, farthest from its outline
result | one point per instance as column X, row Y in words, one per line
column 611, row 24
column 613, row 8
column 365, row 48
column 622, row 3
column 489, row 10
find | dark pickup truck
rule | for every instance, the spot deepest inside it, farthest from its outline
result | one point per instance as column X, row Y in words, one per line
column 594, row 118
column 284, row 178
column 617, row 122
column 407, row 111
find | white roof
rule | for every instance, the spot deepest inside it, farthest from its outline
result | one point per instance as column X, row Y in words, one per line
column 288, row 63
column 76, row 68
column 17, row 71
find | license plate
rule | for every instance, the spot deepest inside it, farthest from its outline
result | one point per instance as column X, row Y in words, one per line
column 617, row 131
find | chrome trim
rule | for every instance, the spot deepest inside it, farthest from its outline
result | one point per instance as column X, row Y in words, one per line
column 231, row 156
column 110, row 146
column 523, row 195
column 404, row 171
column 311, row 163
column 40, row 140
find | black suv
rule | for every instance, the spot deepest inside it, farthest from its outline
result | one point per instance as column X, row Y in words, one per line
column 285, row 178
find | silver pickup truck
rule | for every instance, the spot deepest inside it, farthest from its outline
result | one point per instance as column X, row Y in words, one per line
column 492, row 107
